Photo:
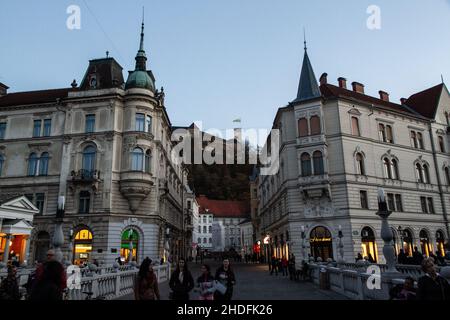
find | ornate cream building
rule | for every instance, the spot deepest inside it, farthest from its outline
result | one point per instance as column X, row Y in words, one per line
column 102, row 151
column 338, row 146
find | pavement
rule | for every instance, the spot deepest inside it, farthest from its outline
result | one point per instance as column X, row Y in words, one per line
column 253, row 282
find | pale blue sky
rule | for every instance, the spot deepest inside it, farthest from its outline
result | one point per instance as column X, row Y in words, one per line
column 219, row 60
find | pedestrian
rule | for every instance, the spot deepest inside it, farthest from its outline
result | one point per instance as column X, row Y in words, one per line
column 9, row 289
column 48, row 285
column 226, row 277
column 273, row 263
column 15, row 262
column 95, row 263
column 161, row 262
column 119, row 260
column 370, row 258
column 279, row 265
column 146, row 285
column 359, row 257
column 205, row 283
column 284, row 266
column 291, row 266
column 41, row 268
column 417, row 257
column 181, row 281
column 432, row 286
column 440, row 258
column 402, row 259
column 405, row 291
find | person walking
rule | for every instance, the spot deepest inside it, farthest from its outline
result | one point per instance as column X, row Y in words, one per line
column 417, row 257
column 405, row 291
column 284, row 266
column 291, row 266
column 41, row 267
column 9, row 289
column 370, row 258
column 402, row 259
column 432, row 286
column 48, row 286
column 146, row 285
column 205, row 283
column 226, row 277
column 273, row 263
column 181, row 281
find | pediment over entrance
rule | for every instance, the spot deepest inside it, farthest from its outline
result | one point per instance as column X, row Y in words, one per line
column 18, row 208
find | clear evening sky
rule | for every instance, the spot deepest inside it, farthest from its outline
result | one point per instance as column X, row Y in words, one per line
column 219, row 60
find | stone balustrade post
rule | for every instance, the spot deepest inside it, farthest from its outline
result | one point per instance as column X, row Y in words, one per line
column 117, row 291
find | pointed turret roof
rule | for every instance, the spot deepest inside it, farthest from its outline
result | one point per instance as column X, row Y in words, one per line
column 308, row 87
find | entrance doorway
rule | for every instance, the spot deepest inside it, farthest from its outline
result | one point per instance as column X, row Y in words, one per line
column 82, row 246
column 321, row 243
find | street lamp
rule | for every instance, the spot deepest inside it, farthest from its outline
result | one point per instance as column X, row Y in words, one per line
column 303, row 235
column 341, row 244
column 401, row 234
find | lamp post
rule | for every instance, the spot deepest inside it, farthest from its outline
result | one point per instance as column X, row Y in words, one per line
column 401, row 234
column 341, row 245
column 58, row 236
column 386, row 235
column 303, row 235
column 71, row 245
column 130, row 254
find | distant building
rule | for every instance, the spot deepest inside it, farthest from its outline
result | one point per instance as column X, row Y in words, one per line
column 227, row 215
column 247, row 242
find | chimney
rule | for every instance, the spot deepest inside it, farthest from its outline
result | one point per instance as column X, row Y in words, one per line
column 342, row 83
column 384, row 95
column 358, row 87
column 403, row 100
column 3, row 89
column 323, row 79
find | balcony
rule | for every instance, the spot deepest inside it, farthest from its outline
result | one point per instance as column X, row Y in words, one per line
column 85, row 177
column 316, row 186
column 135, row 186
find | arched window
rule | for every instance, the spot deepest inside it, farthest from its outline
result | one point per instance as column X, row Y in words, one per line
column 425, row 244
column 302, row 127
column 387, row 168
column 382, row 132
column 446, row 171
column 306, row 165
column 389, row 135
column 315, row 125
column 360, row 164
column 43, row 164
column 355, row 126
column 426, row 175
column 419, row 173
column 394, row 168
column 440, row 242
column 318, row 163
column 148, row 161
column 2, row 160
column 32, row 164
column 441, row 144
column 204, row 229
column 420, row 140
column 137, row 159
column 413, row 139
column 321, row 243
column 199, row 240
column 89, row 159
column 82, row 246
column 368, row 244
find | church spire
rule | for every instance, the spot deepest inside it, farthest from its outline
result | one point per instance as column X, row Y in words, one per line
column 308, row 87
column 141, row 58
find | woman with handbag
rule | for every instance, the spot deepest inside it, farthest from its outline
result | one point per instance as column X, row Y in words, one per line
column 226, row 277
column 181, row 282
column 205, row 284
column 146, row 286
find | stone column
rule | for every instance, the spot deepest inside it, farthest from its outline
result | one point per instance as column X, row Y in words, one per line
column 27, row 250
column 6, row 253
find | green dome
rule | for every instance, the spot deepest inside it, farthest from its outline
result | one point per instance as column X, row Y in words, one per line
column 139, row 79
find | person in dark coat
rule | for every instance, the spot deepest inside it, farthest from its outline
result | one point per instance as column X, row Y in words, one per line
column 146, row 285
column 48, row 286
column 9, row 289
column 181, row 281
column 205, row 284
column 225, row 276
column 417, row 257
column 274, row 265
column 359, row 257
column 406, row 291
column 371, row 259
column 402, row 259
column 291, row 264
column 432, row 286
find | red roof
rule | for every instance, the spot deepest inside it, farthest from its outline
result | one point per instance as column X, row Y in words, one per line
column 332, row 91
column 426, row 102
column 33, row 97
column 224, row 208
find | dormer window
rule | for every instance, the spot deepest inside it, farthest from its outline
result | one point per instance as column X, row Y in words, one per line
column 93, row 82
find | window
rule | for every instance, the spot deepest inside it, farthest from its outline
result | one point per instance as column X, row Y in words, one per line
column 210, row 240
column 315, row 125
column 355, row 126
column 199, row 229
column 387, row 168
column 360, row 164
column 199, row 240
column 363, row 198
column 420, row 140
column 210, row 229
column 89, row 123
column 148, row 161
column 394, row 167
column 446, row 171
column 398, row 202
column 148, row 124
column 89, row 159
column 40, row 200
column 430, row 205
column 419, row 172
column 413, row 139
column 318, row 163
column 382, row 132
column 302, row 127
column 2, row 130
column 385, row 133
column 140, row 122
column 306, row 164
column 204, row 229
column 391, row 201
column 426, row 172
column 204, row 240
column 43, row 164
column 32, row 164
column 441, row 144
column 37, row 128
column 2, row 160
column 47, row 127
column 423, row 203
column 389, row 135
column 85, row 198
